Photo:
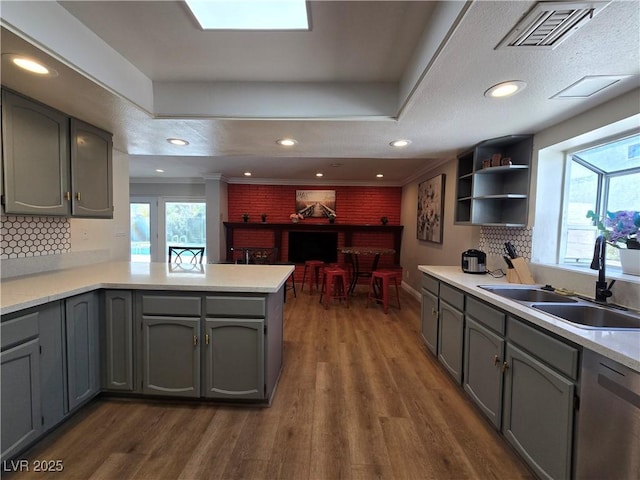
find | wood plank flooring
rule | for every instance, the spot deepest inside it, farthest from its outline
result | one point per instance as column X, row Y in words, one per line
column 359, row 398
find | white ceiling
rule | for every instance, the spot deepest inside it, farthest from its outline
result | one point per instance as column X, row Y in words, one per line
column 367, row 73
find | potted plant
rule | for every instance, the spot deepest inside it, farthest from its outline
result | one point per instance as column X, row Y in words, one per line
column 263, row 216
column 384, row 220
column 332, row 217
column 621, row 230
column 245, row 217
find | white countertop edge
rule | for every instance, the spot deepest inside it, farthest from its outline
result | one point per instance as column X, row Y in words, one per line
column 22, row 298
column 610, row 348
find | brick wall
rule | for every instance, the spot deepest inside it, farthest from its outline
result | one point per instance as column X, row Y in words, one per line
column 354, row 205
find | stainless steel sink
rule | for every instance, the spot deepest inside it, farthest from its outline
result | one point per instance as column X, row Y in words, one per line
column 528, row 295
column 591, row 316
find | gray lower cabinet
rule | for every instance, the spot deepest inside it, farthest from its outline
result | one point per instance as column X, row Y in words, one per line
column 171, row 356
column 35, row 138
column 53, row 364
column 21, row 414
column 118, row 341
column 538, row 414
column 450, row 339
column 429, row 320
column 83, row 350
column 234, row 365
column 483, row 365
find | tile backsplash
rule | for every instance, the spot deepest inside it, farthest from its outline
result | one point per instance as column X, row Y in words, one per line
column 492, row 240
column 26, row 236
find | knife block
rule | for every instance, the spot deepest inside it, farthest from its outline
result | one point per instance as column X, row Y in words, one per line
column 520, row 272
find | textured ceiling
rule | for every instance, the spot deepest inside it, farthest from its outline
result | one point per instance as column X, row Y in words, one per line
column 143, row 71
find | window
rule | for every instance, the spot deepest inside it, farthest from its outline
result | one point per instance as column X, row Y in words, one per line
column 603, row 177
column 158, row 222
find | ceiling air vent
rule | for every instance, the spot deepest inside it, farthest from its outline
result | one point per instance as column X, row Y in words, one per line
column 548, row 24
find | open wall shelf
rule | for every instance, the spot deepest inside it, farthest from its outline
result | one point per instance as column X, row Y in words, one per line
column 492, row 183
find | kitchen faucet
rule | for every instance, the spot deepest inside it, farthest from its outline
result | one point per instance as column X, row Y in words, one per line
column 602, row 290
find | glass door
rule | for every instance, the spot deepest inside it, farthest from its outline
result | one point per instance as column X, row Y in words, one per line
column 184, row 225
column 143, row 238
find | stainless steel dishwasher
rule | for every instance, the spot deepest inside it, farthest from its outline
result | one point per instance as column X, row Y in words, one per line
column 608, row 444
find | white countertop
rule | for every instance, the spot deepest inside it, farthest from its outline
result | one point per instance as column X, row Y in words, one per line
column 620, row 345
column 31, row 290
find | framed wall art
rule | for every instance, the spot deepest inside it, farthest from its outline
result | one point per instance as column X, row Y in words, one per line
column 316, row 203
column 431, row 209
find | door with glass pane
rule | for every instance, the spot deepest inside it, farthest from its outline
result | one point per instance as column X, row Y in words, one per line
column 143, row 216
column 184, row 225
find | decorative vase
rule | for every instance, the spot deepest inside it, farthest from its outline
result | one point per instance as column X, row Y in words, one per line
column 332, row 220
column 630, row 260
column 264, row 218
column 245, row 219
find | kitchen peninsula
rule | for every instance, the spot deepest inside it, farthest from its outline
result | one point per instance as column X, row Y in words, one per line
column 145, row 329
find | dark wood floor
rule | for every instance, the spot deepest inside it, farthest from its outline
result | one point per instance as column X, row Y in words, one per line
column 359, row 398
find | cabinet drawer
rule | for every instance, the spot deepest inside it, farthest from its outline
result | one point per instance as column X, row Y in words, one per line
column 430, row 283
column 485, row 314
column 19, row 329
column 557, row 354
column 453, row 297
column 235, row 306
column 171, row 305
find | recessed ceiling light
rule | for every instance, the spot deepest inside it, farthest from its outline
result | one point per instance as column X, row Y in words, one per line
column 177, row 141
column 379, row 175
column 247, row 174
column 159, row 170
column 287, row 142
column 31, row 65
column 250, row 14
column 505, row 89
column 400, row 143
column 319, row 174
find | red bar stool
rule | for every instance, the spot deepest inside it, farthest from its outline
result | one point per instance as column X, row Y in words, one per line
column 334, row 286
column 316, row 266
column 382, row 280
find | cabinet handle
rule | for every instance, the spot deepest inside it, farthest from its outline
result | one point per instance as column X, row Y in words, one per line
column 206, row 339
column 67, row 195
column 505, row 366
column 77, row 195
column 496, row 360
column 434, row 312
column 195, row 341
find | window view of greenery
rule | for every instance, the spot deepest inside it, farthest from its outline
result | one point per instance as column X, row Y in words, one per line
column 603, row 178
column 185, row 224
column 140, row 232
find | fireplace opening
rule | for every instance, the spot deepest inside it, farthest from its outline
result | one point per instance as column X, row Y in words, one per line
column 305, row 246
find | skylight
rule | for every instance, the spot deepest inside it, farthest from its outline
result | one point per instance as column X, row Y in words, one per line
column 250, row 14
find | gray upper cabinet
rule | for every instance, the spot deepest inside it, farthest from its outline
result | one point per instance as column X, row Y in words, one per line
column 35, row 154
column 492, row 184
column 83, row 351
column 72, row 162
column 91, row 167
column 117, row 351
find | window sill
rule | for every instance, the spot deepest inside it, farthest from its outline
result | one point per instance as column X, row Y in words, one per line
column 613, row 273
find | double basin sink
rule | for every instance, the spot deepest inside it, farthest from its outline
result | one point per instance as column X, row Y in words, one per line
column 577, row 311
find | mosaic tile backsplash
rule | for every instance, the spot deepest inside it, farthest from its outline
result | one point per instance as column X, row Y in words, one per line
column 34, row 236
column 492, row 240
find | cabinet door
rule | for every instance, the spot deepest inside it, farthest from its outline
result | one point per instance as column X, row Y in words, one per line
column 483, row 359
column 118, row 341
column 538, row 414
column 171, row 356
column 429, row 326
column 91, row 171
column 35, row 154
column 21, row 417
column 83, row 358
column 450, row 339
column 52, row 364
column 235, row 358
